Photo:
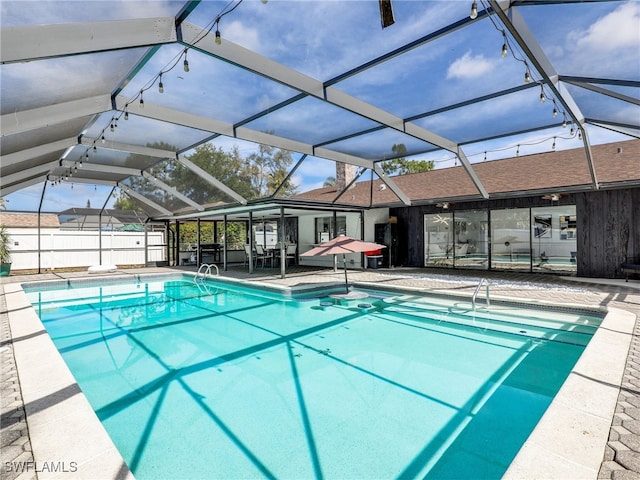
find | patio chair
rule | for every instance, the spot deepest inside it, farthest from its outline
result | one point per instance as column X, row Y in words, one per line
column 630, row 268
column 292, row 250
column 263, row 256
column 247, row 254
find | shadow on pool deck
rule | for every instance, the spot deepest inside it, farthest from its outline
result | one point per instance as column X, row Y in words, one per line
column 621, row 458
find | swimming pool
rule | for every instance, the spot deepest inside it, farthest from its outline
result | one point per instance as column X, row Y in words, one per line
column 242, row 383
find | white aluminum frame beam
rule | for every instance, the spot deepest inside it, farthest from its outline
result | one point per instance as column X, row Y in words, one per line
column 129, row 172
column 35, row 42
column 90, row 181
column 304, row 148
column 251, row 61
column 23, row 155
column 132, row 193
column 391, row 184
column 163, row 154
column 614, row 127
column 18, row 122
column 4, row 191
column 525, row 39
column 178, row 117
column 127, row 147
column 163, row 114
column 603, row 91
column 210, row 178
column 172, row 191
column 101, row 168
column 28, row 172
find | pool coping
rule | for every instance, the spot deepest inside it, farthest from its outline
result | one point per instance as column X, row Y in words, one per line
column 568, row 441
column 67, row 438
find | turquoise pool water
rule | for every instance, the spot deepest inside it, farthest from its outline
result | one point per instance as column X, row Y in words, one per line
column 235, row 383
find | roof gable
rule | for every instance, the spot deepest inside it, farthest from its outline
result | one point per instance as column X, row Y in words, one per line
column 615, row 164
column 29, row 220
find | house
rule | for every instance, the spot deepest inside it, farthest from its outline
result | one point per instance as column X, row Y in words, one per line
column 594, row 226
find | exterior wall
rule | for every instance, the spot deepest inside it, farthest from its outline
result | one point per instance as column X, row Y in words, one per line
column 306, row 239
column 66, row 249
column 608, row 228
column 371, row 218
column 608, row 231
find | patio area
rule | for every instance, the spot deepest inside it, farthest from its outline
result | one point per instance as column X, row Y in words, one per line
column 484, row 140
column 620, row 457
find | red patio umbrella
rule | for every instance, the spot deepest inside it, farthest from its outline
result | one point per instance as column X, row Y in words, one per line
column 343, row 245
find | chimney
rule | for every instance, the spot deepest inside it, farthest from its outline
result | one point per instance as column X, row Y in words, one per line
column 345, row 173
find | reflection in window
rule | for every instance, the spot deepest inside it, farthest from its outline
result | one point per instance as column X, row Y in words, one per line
column 457, row 239
column 325, row 230
column 554, row 238
column 438, row 240
column 471, row 248
column 522, row 239
column 511, row 239
column 567, row 227
column 265, row 234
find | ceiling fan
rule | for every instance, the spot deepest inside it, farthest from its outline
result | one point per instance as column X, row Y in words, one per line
column 444, row 205
column 554, row 197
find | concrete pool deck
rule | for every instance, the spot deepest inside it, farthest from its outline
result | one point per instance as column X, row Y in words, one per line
column 592, row 429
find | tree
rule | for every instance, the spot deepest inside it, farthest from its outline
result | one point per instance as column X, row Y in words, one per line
column 125, row 202
column 267, row 169
column 236, row 233
column 220, row 164
column 402, row 166
column 227, row 167
column 255, row 176
column 329, row 182
column 145, row 186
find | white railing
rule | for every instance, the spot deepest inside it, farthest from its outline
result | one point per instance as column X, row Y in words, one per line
column 475, row 293
column 200, row 277
column 207, row 271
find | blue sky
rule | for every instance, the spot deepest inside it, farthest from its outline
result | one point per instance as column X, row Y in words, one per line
column 323, row 39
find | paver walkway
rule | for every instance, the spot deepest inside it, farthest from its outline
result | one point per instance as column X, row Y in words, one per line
column 621, row 458
column 15, row 447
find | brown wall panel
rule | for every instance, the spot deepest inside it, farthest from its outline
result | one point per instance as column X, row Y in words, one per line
column 608, row 224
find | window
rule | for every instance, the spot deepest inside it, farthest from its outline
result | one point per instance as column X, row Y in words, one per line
column 325, row 231
column 554, row 240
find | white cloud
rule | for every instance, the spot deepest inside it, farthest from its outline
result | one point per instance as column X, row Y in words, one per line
column 468, row 67
column 32, row 12
column 618, row 29
column 228, row 143
column 499, row 109
column 240, row 33
column 607, row 47
column 429, row 16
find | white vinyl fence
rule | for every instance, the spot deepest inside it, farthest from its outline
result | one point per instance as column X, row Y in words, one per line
column 66, row 249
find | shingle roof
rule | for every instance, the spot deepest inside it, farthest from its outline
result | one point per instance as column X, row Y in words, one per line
column 615, row 164
column 47, row 220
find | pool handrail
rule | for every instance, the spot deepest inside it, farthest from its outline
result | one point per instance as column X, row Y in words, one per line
column 475, row 293
column 207, row 267
column 199, row 277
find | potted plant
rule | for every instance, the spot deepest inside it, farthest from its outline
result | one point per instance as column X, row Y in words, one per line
column 5, row 246
column 5, row 252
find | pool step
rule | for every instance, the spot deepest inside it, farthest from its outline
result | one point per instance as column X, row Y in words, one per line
column 544, row 318
column 499, row 322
